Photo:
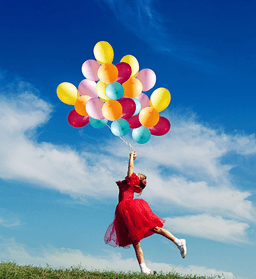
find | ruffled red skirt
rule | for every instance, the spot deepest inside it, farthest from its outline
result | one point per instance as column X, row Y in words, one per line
column 134, row 220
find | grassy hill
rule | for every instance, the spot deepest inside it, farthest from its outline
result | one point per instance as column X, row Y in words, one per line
column 10, row 270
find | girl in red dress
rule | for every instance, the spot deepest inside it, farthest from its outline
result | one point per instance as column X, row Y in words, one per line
column 134, row 219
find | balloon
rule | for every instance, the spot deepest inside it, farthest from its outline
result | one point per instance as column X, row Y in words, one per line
column 112, row 110
column 138, row 106
column 141, row 134
column 76, row 120
column 124, row 72
column 80, row 105
column 148, row 79
column 149, row 117
column 107, row 73
column 132, row 88
column 90, row 69
column 114, row 91
column 97, row 123
column 100, row 89
column 161, row 128
column 134, row 121
column 144, row 100
column 67, row 93
column 120, row 127
column 128, row 107
column 93, row 108
column 103, row 52
column 160, row 99
column 133, row 62
column 87, row 87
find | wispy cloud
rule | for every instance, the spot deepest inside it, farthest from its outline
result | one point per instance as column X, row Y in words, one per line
column 65, row 258
column 8, row 219
column 142, row 18
column 185, row 168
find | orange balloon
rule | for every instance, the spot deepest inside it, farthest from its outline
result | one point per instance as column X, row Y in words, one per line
column 108, row 73
column 112, row 110
column 149, row 117
column 80, row 105
column 132, row 87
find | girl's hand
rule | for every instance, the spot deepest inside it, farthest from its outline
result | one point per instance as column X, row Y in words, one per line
column 134, row 154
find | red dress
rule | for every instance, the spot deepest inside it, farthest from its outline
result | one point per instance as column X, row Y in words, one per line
column 134, row 218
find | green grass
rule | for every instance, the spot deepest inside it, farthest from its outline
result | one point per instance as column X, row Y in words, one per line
column 10, row 270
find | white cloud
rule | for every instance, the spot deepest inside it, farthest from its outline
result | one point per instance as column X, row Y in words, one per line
column 65, row 258
column 210, row 227
column 8, row 219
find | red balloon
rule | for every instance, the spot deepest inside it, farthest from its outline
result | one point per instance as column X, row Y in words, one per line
column 134, row 121
column 124, row 72
column 161, row 128
column 128, row 106
column 76, row 120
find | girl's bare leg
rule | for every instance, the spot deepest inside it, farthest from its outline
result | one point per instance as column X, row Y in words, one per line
column 140, row 258
column 139, row 253
column 164, row 233
column 180, row 243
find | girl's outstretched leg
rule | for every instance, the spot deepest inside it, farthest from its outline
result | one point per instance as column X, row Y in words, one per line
column 180, row 243
column 140, row 258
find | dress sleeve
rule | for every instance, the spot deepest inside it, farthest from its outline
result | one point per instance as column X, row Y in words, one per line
column 119, row 183
column 133, row 180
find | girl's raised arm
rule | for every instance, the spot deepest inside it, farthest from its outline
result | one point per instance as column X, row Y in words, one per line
column 133, row 156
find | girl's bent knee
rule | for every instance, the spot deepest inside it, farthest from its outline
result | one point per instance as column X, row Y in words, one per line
column 157, row 229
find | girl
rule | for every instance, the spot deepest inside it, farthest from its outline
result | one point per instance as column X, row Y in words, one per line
column 134, row 219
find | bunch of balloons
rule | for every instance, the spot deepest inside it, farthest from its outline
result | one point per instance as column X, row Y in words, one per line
column 117, row 96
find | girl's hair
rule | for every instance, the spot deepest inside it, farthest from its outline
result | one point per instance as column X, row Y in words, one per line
column 142, row 182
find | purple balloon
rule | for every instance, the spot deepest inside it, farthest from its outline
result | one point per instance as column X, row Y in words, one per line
column 76, row 120
column 148, row 79
column 161, row 128
column 124, row 72
column 87, row 87
column 93, row 108
column 134, row 121
column 128, row 106
column 90, row 69
column 144, row 100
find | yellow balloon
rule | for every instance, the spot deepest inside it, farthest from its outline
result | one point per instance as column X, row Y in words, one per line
column 132, row 87
column 100, row 89
column 133, row 62
column 149, row 117
column 160, row 99
column 67, row 93
column 112, row 110
column 80, row 105
column 103, row 52
column 108, row 73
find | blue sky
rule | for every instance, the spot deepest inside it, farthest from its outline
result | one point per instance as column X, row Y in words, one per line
column 58, row 192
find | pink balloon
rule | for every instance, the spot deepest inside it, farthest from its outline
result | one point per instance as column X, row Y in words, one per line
column 161, row 128
column 93, row 108
column 144, row 100
column 90, row 69
column 87, row 87
column 128, row 106
column 148, row 79
column 124, row 72
column 76, row 120
column 134, row 121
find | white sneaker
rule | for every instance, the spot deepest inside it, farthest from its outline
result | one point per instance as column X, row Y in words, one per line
column 146, row 271
column 183, row 248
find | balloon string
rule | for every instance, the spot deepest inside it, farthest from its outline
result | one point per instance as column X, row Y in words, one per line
column 127, row 143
